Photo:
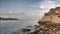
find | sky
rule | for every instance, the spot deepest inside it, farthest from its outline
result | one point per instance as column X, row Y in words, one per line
column 26, row 9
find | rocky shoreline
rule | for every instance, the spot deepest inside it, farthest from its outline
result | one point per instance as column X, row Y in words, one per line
column 49, row 23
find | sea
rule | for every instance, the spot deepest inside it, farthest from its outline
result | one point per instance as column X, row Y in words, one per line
column 15, row 26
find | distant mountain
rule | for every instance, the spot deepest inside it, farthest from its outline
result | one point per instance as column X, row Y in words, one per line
column 1, row 18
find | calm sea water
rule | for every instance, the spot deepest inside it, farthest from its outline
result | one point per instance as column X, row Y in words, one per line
column 13, row 27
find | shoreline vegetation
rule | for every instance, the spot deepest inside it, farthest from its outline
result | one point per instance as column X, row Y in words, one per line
column 1, row 18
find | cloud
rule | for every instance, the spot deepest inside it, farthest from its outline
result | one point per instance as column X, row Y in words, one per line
column 10, row 12
column 48, row 4
column 45, row 5
column 38, row 9
column 24, row 15
column 42, row 7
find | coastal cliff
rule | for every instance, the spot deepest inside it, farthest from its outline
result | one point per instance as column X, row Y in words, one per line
column 49, row 23
column 53, row 15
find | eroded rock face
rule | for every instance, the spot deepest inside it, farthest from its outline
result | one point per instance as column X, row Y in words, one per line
column 53, row 16
column 50, row 22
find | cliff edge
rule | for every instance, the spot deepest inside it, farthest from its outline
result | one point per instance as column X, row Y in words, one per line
column 53, row 16
column 49, row 23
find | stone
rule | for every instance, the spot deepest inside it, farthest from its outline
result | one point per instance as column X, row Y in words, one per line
column 50, row 22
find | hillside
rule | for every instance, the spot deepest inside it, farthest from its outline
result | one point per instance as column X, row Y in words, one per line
column 49, row 23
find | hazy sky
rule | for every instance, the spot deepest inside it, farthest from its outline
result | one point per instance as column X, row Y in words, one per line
column 27, row 8
column 18, row 6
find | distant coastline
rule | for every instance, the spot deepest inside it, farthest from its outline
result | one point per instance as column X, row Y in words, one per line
column 1, row 18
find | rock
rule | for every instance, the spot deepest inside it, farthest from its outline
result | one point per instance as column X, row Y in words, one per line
column 40, row 32
column 25, row 30
column 51, row 17
column 57, row 32
column 50, row 21
column 30, row 33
